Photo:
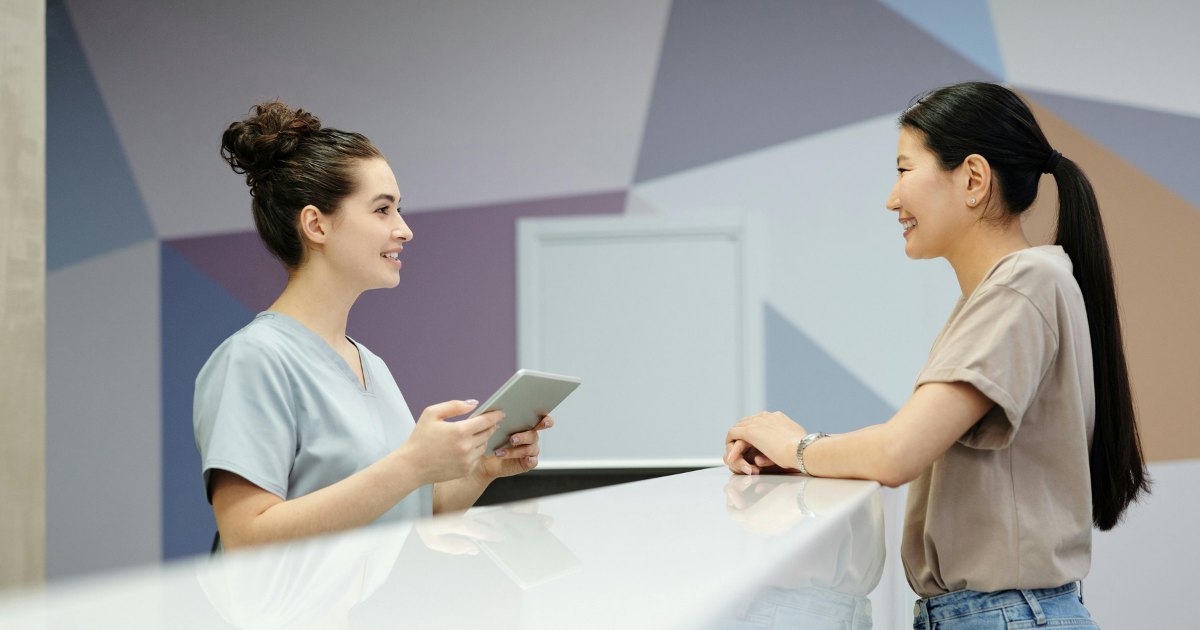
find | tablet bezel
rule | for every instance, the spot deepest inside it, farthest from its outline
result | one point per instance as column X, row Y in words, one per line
column 520, row 393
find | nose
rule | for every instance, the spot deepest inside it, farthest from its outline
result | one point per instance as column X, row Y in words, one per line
column 893, row 199
column 402, row 231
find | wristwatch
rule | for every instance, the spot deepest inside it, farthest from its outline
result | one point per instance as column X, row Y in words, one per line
column 803, row 444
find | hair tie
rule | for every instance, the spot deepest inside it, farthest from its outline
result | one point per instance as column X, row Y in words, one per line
column 1052, row 161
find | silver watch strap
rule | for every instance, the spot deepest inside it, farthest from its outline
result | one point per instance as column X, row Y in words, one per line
column 803, row 444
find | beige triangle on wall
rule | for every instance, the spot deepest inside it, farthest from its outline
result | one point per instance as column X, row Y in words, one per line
column 1154, row 240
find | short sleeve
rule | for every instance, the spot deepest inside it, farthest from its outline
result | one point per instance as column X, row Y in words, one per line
column 243, row 415
column 1002, row 345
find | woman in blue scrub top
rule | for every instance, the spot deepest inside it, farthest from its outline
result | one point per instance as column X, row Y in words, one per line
column 301, row 429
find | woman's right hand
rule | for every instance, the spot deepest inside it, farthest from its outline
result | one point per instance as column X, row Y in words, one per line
column 441, row 450
column 761, row 441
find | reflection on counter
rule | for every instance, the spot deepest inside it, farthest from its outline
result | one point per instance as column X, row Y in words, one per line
column 303, row 584
column 523, row 546
column 320, row 583
column 825, row 586
column 701, row 549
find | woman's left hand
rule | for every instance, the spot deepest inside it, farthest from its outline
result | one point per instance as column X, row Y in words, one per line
column 519, row 455
column 763, row 441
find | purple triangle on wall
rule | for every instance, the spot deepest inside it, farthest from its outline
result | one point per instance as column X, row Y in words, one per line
column 239, row 262
column 449, row 331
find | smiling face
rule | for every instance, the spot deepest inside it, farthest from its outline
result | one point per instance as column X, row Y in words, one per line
column 928, row 200
column 367, row 234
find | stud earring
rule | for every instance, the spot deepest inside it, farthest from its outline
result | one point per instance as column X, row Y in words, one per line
column 971, row 201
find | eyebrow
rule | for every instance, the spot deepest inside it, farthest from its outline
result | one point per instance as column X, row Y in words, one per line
column 901, row 157
column 385, row 196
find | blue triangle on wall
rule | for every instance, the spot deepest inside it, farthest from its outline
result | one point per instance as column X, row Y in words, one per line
column 963, row 25
column 810, row 386
column 737, row 77
column 93, row 205
column 197, row 315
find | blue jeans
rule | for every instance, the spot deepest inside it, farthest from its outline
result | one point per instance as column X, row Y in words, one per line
column 1057, row 608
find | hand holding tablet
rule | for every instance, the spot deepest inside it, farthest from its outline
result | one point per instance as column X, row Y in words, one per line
column 524, row 399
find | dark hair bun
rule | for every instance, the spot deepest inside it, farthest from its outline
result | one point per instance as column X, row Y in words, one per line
column 267, row 137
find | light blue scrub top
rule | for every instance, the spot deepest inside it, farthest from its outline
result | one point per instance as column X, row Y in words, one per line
column 280, row 407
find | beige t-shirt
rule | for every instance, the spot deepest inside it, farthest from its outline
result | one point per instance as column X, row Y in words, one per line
column 1009, row 505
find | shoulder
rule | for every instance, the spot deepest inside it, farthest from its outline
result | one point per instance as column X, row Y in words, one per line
column 260, row 344
column 1037, row 279
column 1034, row 270
column 1041, row 275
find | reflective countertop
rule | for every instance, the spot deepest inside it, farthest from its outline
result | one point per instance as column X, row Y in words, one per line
column 704, row 549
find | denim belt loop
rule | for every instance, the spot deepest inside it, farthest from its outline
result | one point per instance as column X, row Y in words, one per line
column 922, row 606
column 1039, row 616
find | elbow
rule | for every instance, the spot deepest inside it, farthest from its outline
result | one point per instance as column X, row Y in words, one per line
column 247, row 534
column 250, row 538
column 893, row 480
column 232, row 539
column 895, row 467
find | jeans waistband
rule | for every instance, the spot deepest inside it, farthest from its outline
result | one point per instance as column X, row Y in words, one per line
column 959, row 603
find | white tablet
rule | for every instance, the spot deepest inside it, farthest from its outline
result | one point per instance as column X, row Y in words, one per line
column 524, row 399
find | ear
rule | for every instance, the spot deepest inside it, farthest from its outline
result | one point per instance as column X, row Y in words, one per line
column 978, row 174
column 314, row 225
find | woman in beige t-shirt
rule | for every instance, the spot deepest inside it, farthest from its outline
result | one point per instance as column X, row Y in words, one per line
column 1020, row 433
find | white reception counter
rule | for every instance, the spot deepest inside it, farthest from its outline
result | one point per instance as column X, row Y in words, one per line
column 698, row 550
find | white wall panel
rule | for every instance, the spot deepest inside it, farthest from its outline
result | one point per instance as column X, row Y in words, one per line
column 661, row 318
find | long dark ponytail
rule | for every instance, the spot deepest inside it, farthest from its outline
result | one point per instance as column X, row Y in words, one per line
column 992, row 121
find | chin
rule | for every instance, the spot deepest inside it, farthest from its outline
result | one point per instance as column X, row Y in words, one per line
column 388, row 283
column 916, row 254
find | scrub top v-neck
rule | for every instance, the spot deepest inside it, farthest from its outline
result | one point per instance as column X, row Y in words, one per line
column 278, row 406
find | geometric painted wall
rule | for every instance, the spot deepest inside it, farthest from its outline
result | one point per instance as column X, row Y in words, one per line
column 490, row 112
